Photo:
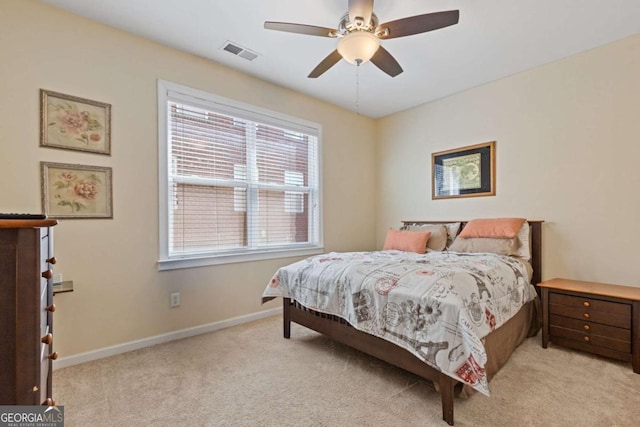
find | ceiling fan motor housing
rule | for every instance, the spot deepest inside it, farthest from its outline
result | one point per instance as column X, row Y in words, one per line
column 346, row 26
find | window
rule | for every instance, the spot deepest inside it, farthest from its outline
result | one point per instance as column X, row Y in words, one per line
column 237, row 183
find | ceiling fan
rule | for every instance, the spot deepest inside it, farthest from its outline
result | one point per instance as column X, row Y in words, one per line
column 360, row 34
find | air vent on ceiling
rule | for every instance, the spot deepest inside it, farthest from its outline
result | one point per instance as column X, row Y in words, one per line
column 240, row 51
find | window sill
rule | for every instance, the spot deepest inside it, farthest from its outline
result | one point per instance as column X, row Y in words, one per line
column 203, row 261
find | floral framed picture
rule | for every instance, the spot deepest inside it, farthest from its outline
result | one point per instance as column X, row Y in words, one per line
column 74, row 123
column 464, row 172
column 76, row 191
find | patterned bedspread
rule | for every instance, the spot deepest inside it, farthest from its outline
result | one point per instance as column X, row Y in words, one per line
column 438, row 305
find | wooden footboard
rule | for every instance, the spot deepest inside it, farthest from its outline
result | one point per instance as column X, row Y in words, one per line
column 339, row 330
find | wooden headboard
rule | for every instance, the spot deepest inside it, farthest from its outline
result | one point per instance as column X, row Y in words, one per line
column 535, row 236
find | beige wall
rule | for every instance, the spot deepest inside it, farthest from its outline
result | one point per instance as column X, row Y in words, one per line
column 568, row 152
column 119, row 294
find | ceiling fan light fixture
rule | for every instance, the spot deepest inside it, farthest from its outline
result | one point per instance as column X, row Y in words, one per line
column 358, row 47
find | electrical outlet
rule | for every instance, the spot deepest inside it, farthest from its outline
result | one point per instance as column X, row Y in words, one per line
column 57, row 278
column 175, row 300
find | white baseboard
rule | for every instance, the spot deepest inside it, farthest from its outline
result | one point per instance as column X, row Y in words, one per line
column 76, row 359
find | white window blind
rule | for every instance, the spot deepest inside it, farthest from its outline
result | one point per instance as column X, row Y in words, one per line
column 238, row 181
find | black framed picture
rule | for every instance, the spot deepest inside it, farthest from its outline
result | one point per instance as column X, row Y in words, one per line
column 464, row 172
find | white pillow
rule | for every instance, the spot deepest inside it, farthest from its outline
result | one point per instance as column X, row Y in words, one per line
column 507, row 247
column 452, row 232
column 524, row 251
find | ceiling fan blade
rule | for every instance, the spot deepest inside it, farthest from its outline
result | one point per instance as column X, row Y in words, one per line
column 326, row 63
column 419, row 24
column 310, row 30
column 387, row 63
column 361, row 8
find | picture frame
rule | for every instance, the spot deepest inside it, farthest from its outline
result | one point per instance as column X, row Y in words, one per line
column 74, row 123
column 464, row 172
column 76, row 191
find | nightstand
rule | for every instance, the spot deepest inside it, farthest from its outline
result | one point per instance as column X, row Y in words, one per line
column 593, row 317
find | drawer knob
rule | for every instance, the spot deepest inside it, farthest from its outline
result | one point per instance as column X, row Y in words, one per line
column 586, row 327
column 54, row 355
column 52, row 260
column 47, row 274
column 586, row 339
column 586, row 315
column 586, row 304
column 49, row 402
column 36, row 388
column 47, row 339
column 50, row 308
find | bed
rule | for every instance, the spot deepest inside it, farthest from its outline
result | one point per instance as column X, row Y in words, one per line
column 460, row 356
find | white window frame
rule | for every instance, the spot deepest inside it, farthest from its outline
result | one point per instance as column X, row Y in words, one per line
column 168, row 91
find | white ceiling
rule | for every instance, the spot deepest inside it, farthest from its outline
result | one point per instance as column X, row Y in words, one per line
column 494, row 39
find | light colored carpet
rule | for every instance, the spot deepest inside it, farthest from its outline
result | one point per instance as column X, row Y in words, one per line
column 249, row 375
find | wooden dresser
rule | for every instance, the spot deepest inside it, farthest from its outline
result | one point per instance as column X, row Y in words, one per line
column 26, row 311
column 594, row 317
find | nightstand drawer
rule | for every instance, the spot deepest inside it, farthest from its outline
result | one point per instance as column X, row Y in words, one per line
column 590, row 303
column 592, row 328
column 591, row 315
column 590, row 339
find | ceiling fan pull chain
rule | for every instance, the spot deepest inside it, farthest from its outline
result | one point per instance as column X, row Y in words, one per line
column 358, row 89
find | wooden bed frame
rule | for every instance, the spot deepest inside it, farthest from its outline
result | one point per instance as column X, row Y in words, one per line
column 339, row 330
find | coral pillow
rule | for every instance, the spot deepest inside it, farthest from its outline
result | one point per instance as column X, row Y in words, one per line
column 408, row 241
column 497, row 228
